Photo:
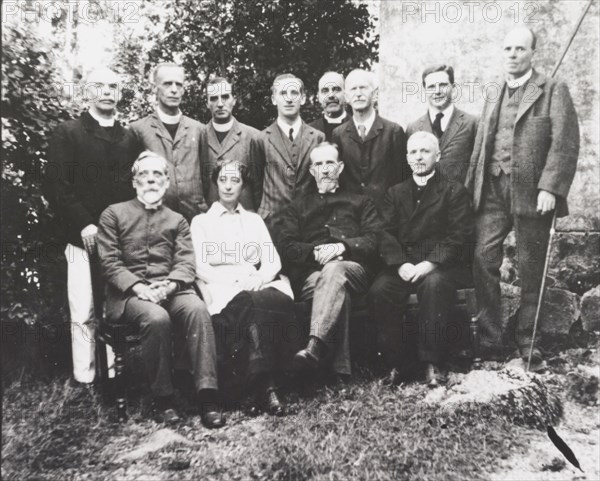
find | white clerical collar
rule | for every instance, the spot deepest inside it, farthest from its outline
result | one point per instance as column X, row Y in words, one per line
column 286, row 127
column 448, row 111
column 516, row 83
column 147, row 206
column 336, row 120
column 367, row 123
column 168, row 119
column 101, row 120
column 421, row 181
column 222, row 127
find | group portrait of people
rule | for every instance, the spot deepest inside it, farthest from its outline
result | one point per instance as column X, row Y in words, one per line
column 207, row 236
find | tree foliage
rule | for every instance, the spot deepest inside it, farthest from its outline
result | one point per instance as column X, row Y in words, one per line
column 252, row 42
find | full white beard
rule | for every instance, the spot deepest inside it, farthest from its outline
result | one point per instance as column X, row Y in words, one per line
column 152, row 196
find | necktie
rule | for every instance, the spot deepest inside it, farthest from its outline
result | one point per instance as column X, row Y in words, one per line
column 362, row 131
column 291, row 134
column 437, row 125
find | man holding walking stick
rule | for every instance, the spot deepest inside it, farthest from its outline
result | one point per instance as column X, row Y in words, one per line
column 523, row 163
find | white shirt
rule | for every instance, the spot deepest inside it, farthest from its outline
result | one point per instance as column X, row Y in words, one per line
column 168, row 119
column 516, row 83
column 228, row 246
column 101, row 120
column 367, row 123
column 448, row 111
column 286, row 127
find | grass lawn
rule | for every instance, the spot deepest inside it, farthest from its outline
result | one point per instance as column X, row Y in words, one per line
column 56, row 430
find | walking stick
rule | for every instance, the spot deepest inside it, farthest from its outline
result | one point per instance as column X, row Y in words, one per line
column 553, row 225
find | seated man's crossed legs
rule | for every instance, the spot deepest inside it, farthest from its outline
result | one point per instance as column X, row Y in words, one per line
column 403, row 344
column 330, row 290
column 178, row 333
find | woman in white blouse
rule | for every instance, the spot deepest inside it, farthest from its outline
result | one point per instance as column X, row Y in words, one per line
column 238, row 271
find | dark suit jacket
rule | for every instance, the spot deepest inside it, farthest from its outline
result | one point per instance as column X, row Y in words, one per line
column 281, row 178
column 439, row 229
column 372, row 166
column 88, row 169
column 236, row 146
column 140, row 245
column 545, row 146
column 322, row 126
column 456, row 143
column 185, row 194
column 316, row 219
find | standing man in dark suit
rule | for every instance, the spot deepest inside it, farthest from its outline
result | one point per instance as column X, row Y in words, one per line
column 282, row 152
column 227, row 139
column 329, row 242
column 454, row 128
column 372, row 148
column 148, row 262
column 523, row 163
column 177, row 138
column 331, row 98
column 89, row 162
column 426, row 244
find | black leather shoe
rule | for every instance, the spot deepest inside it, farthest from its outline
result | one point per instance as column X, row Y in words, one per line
column 165, row 412
column 305, row 359
column 434, row 376
column 211, row 416
column 273, row 404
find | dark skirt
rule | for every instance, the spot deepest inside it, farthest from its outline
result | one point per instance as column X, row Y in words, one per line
column 256, row 333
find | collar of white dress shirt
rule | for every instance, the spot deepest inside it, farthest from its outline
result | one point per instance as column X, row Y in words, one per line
column 367, row 123
column 286, row 127
column 101, row 120
column 168, row 119
column 150, row 206
column 222, row 127
column 421, row 181
column 336, row 120
column 516, row 83
column 218, row 209
column 448, row 111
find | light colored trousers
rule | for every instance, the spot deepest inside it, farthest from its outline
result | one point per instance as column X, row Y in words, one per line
column 81, row 307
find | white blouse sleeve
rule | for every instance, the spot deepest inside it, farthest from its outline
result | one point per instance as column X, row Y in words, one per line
column 270, row 263
column 204, row 270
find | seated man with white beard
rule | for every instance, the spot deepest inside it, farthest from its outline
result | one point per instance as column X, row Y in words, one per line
column 426, row 245
column 148, row 263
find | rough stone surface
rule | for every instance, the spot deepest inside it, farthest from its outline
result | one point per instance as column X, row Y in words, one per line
column 590, row 309
column 155, row 442
column 559, row 312
column 522, row 397
column 575, row 260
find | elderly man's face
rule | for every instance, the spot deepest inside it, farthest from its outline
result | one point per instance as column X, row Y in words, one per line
column 151, row 180
column 288, row 97
column 518, row 52
column 422, row 155
column 326, row 168
column 360, row 91
column 331, row 94
column 103, row 91
column 169, row 88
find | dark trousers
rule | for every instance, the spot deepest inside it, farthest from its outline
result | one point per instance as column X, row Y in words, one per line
column 493, row 223
column 400, row 340
column 180, row 330
column 252, row 334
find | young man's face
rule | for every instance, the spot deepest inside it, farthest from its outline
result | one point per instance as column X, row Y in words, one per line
column 220, row 102
column 438, row 90
column 103, row 91
column 288, row 97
